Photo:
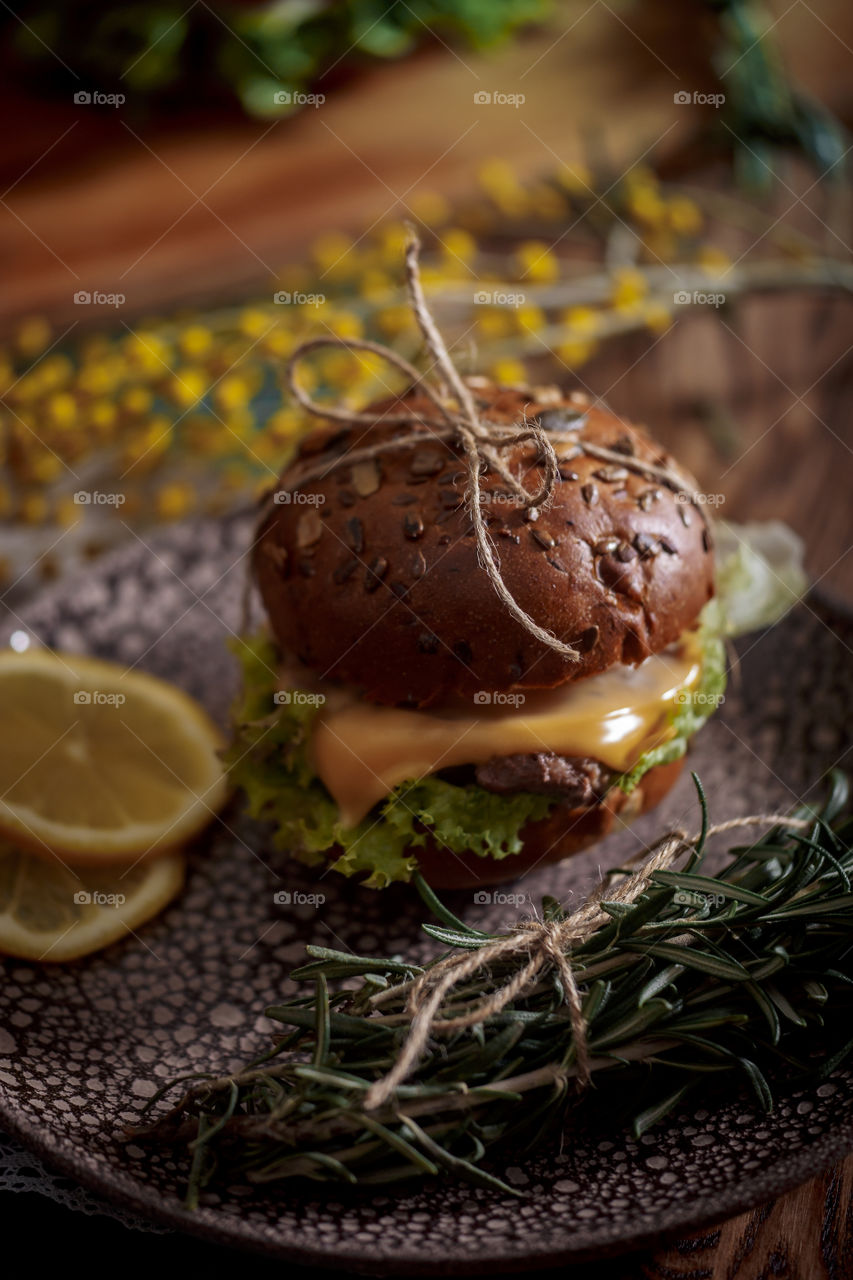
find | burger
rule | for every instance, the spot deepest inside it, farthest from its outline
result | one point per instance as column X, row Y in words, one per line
column 397, row 716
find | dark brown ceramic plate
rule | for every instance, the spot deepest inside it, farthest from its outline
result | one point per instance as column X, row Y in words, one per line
column 83, row 1046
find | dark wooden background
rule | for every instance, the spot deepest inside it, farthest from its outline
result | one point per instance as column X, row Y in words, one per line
column 758, row 405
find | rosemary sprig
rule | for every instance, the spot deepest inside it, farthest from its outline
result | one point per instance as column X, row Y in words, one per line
column 729, row 976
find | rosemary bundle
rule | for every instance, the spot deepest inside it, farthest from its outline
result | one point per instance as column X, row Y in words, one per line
column 743, row 975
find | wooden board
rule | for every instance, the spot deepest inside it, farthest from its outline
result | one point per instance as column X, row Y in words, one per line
column 184, row 210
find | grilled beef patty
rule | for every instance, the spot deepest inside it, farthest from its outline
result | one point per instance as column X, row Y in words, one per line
column 576, row 781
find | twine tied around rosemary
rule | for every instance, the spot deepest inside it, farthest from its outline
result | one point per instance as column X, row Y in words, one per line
column 457, row 420
column 549, row 945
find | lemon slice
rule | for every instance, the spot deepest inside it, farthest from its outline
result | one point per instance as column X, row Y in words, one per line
column 49, row 912
column 100, row 764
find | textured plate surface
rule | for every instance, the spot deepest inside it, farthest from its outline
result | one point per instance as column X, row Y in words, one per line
column 83, row 1046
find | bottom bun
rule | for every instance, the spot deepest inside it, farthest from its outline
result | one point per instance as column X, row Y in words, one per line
column 565, row 831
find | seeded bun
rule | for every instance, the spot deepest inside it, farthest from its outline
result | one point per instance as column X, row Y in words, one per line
column 563, row 832
column 370, row 575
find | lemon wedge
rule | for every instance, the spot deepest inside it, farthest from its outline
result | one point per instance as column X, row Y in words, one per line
column 100, row 764
column 49, row 912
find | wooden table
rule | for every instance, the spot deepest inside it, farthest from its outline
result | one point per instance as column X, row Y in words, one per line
column 190, row 210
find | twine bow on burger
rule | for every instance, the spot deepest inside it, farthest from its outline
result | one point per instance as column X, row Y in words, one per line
column 458, row 421
column 549, row 945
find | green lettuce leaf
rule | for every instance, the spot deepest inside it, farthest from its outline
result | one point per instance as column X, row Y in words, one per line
column 267, row 759
column 693, row 706
column 759, row 572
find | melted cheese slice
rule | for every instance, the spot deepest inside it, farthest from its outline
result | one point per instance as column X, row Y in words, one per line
column 361, row 751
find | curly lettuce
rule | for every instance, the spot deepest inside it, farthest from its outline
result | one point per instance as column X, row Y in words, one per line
column 759, row 571
column 692, row 706
column 268, row 756
column 759, row 576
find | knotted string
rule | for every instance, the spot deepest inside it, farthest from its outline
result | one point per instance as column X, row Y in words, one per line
column 456, row 420
column 548, row 945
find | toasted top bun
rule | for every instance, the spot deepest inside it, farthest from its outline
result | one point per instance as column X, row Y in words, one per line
column 370, row 574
